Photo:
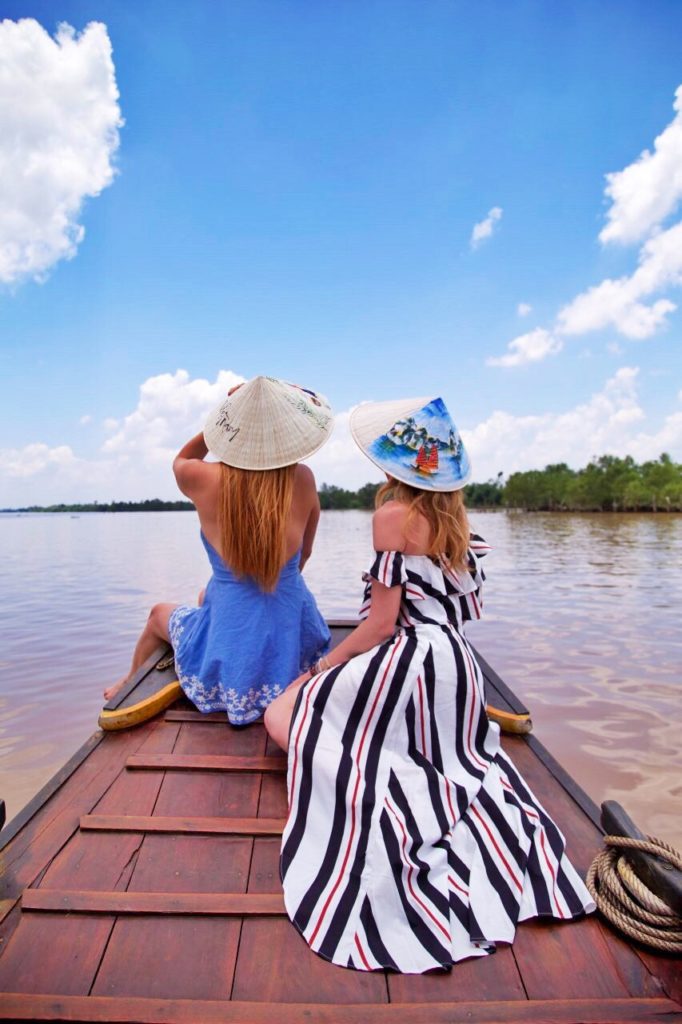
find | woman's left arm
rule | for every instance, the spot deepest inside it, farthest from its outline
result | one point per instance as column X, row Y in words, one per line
column 189, row 466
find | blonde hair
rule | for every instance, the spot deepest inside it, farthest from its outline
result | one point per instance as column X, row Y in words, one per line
column 253, row 511
column 445, row 513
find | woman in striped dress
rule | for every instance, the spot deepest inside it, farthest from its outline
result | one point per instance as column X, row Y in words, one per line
column 412, row 842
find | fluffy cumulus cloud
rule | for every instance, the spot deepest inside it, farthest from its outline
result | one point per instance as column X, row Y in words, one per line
column 648, row 190
column 642, row 197
column 611, row 421
column 134, row 462
column 59, row 130
column 528, row 348
column 523, row 309
column 485, row 228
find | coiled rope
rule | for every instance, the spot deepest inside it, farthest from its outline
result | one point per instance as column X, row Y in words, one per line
column 624, row 899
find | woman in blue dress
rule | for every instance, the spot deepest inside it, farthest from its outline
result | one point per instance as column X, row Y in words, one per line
column 256, row 626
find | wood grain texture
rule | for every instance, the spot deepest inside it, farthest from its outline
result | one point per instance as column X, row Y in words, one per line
column 178, row 826
column 191, row 1011
column 94, row 902
column 205, row 763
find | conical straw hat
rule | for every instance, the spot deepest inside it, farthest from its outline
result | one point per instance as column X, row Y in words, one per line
column 413, row 440
column 268, row 423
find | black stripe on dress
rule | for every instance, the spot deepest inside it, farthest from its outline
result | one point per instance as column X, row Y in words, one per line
column 434, row 896
column 422, row 933
column 507, row 896
column 337, row 824
column 376, row 946
column 433, row 777
column 297, row 830
column 375, row 749
column 461, row 725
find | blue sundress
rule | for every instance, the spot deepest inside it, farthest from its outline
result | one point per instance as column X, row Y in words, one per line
column 242, row 647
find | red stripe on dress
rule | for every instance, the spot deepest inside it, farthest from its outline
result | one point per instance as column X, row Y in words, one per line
column 551, row 871
column 361, row 952
column 447, row 793
column 499, row 851
column 410, row 872
column 337, row 883
column 454, row 885
column 528, row 810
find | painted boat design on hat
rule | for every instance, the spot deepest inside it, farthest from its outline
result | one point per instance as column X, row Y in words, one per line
column 424, row 448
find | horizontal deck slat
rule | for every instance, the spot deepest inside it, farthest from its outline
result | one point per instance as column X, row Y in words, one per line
column 180, row 1011
column 192, row 826
column 206, row 763
column 94, row 902
column 188, row 715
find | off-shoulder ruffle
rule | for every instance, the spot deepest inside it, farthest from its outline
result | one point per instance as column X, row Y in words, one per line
column 391, row 568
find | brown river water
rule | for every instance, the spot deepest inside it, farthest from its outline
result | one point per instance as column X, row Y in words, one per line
column 581, row 619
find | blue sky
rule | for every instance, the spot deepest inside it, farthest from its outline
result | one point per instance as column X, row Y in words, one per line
column 295, row 193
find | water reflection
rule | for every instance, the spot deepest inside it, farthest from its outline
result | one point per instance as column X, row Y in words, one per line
column 581, row 619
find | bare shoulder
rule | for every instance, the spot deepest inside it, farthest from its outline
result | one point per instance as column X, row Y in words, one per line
column 304, row 476
column 388, row 526
column 194, row 476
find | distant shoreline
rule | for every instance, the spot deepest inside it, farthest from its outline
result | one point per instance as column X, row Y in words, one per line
column 606, row 484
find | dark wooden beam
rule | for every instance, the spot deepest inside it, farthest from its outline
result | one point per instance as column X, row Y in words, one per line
column 74, row 901
column 191, row 826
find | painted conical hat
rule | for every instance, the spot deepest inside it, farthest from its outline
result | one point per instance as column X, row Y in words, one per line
column 268, row 423
column 413, row 440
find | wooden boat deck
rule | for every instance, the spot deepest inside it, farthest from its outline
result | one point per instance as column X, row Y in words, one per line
column 143, row 885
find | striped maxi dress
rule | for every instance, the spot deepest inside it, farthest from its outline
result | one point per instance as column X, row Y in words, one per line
column 412, row 841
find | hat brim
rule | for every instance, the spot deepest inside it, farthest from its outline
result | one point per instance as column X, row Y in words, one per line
column 372, row 421
column 268, row 424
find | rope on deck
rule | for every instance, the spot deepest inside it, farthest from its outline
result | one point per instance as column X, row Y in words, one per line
column 624, row 899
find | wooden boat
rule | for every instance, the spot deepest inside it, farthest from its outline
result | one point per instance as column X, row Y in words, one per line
column 142, row 884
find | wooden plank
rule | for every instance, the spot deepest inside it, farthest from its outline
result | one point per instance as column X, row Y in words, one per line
column 91, row 901
column 188, row 958
column 192, row 864
column 189, row 1011
column 275, row 964
column 566, row 960
column 203, row 738
column 179, row 826
column 53, row 953
column 206, row 763
column 90, row 861
column 480, row 978
column 190, row 715
column 41, row 838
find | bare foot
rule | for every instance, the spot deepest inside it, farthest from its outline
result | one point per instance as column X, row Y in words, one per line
column 111, row 691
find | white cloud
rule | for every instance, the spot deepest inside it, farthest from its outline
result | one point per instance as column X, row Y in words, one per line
column 611, row 421
column 170, row 410
column 84, row 420
column 59, row 121
column 648, row 190
column 642, row 196
column 172, row 407
column 485, row 228
column 617, row 303
column 523, row 309
column 528, row 348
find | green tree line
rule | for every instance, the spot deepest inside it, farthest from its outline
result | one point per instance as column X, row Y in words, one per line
column 606, row 484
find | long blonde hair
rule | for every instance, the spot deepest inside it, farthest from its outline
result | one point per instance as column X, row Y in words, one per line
column 253, row 511
column 445, row 513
